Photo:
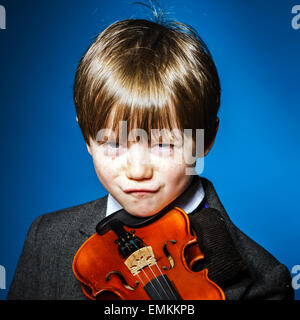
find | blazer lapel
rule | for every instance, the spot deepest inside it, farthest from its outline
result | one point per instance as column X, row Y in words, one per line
column 97, row 212
column 213, row 200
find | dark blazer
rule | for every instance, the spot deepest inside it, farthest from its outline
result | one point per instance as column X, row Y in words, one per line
column 44, row 269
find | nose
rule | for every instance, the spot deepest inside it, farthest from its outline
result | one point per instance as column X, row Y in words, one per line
column 138, row 166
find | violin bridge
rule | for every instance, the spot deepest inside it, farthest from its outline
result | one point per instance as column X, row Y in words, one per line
column 143, row 257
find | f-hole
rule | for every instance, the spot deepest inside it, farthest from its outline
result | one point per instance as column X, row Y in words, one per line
column 123, row 280
column 167, row 254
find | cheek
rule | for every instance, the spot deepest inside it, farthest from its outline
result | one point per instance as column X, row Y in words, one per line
column 174, row 174
column 175, row 182
column 106, row 170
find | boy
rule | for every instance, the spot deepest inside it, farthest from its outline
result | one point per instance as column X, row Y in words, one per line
column 148, row 76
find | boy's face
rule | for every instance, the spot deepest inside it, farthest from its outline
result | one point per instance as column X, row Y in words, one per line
column 143, row 177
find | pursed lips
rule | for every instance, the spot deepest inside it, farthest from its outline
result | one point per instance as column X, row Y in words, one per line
column 140, row 193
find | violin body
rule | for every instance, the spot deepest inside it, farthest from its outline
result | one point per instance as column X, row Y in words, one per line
column 157, row 267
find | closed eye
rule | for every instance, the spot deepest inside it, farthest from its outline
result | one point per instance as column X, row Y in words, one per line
column 114, row 145
column 164, row 145
column 110, row 144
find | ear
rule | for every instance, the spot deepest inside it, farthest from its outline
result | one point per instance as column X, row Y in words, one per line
column 213, row 138
column 88, row 149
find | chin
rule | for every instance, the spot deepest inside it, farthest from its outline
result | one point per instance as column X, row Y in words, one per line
column 142, row 212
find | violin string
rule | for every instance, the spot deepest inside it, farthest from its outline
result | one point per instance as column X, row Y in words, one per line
column 148, row 278
column 163, row 276
column 165, row 280
column 141, row 280
column 155, row 277
column 132, row 252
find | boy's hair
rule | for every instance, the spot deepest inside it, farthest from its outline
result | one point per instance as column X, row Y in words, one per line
column 149, row 74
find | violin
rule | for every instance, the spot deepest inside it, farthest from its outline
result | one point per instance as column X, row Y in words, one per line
column 133, row 258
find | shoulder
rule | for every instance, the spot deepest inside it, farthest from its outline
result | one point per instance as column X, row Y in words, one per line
column 61, row 232
column 46, row 259
column 251, row 251
column 59, row 222
column 270, row 278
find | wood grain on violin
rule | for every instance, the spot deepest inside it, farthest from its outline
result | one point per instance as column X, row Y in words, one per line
column 153, row 261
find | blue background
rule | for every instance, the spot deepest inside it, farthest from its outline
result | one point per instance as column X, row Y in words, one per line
column 254, row 163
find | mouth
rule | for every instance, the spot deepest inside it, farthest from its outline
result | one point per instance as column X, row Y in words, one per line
column 141, row 193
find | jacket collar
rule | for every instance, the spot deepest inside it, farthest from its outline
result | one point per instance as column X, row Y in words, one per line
column 93, row 214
